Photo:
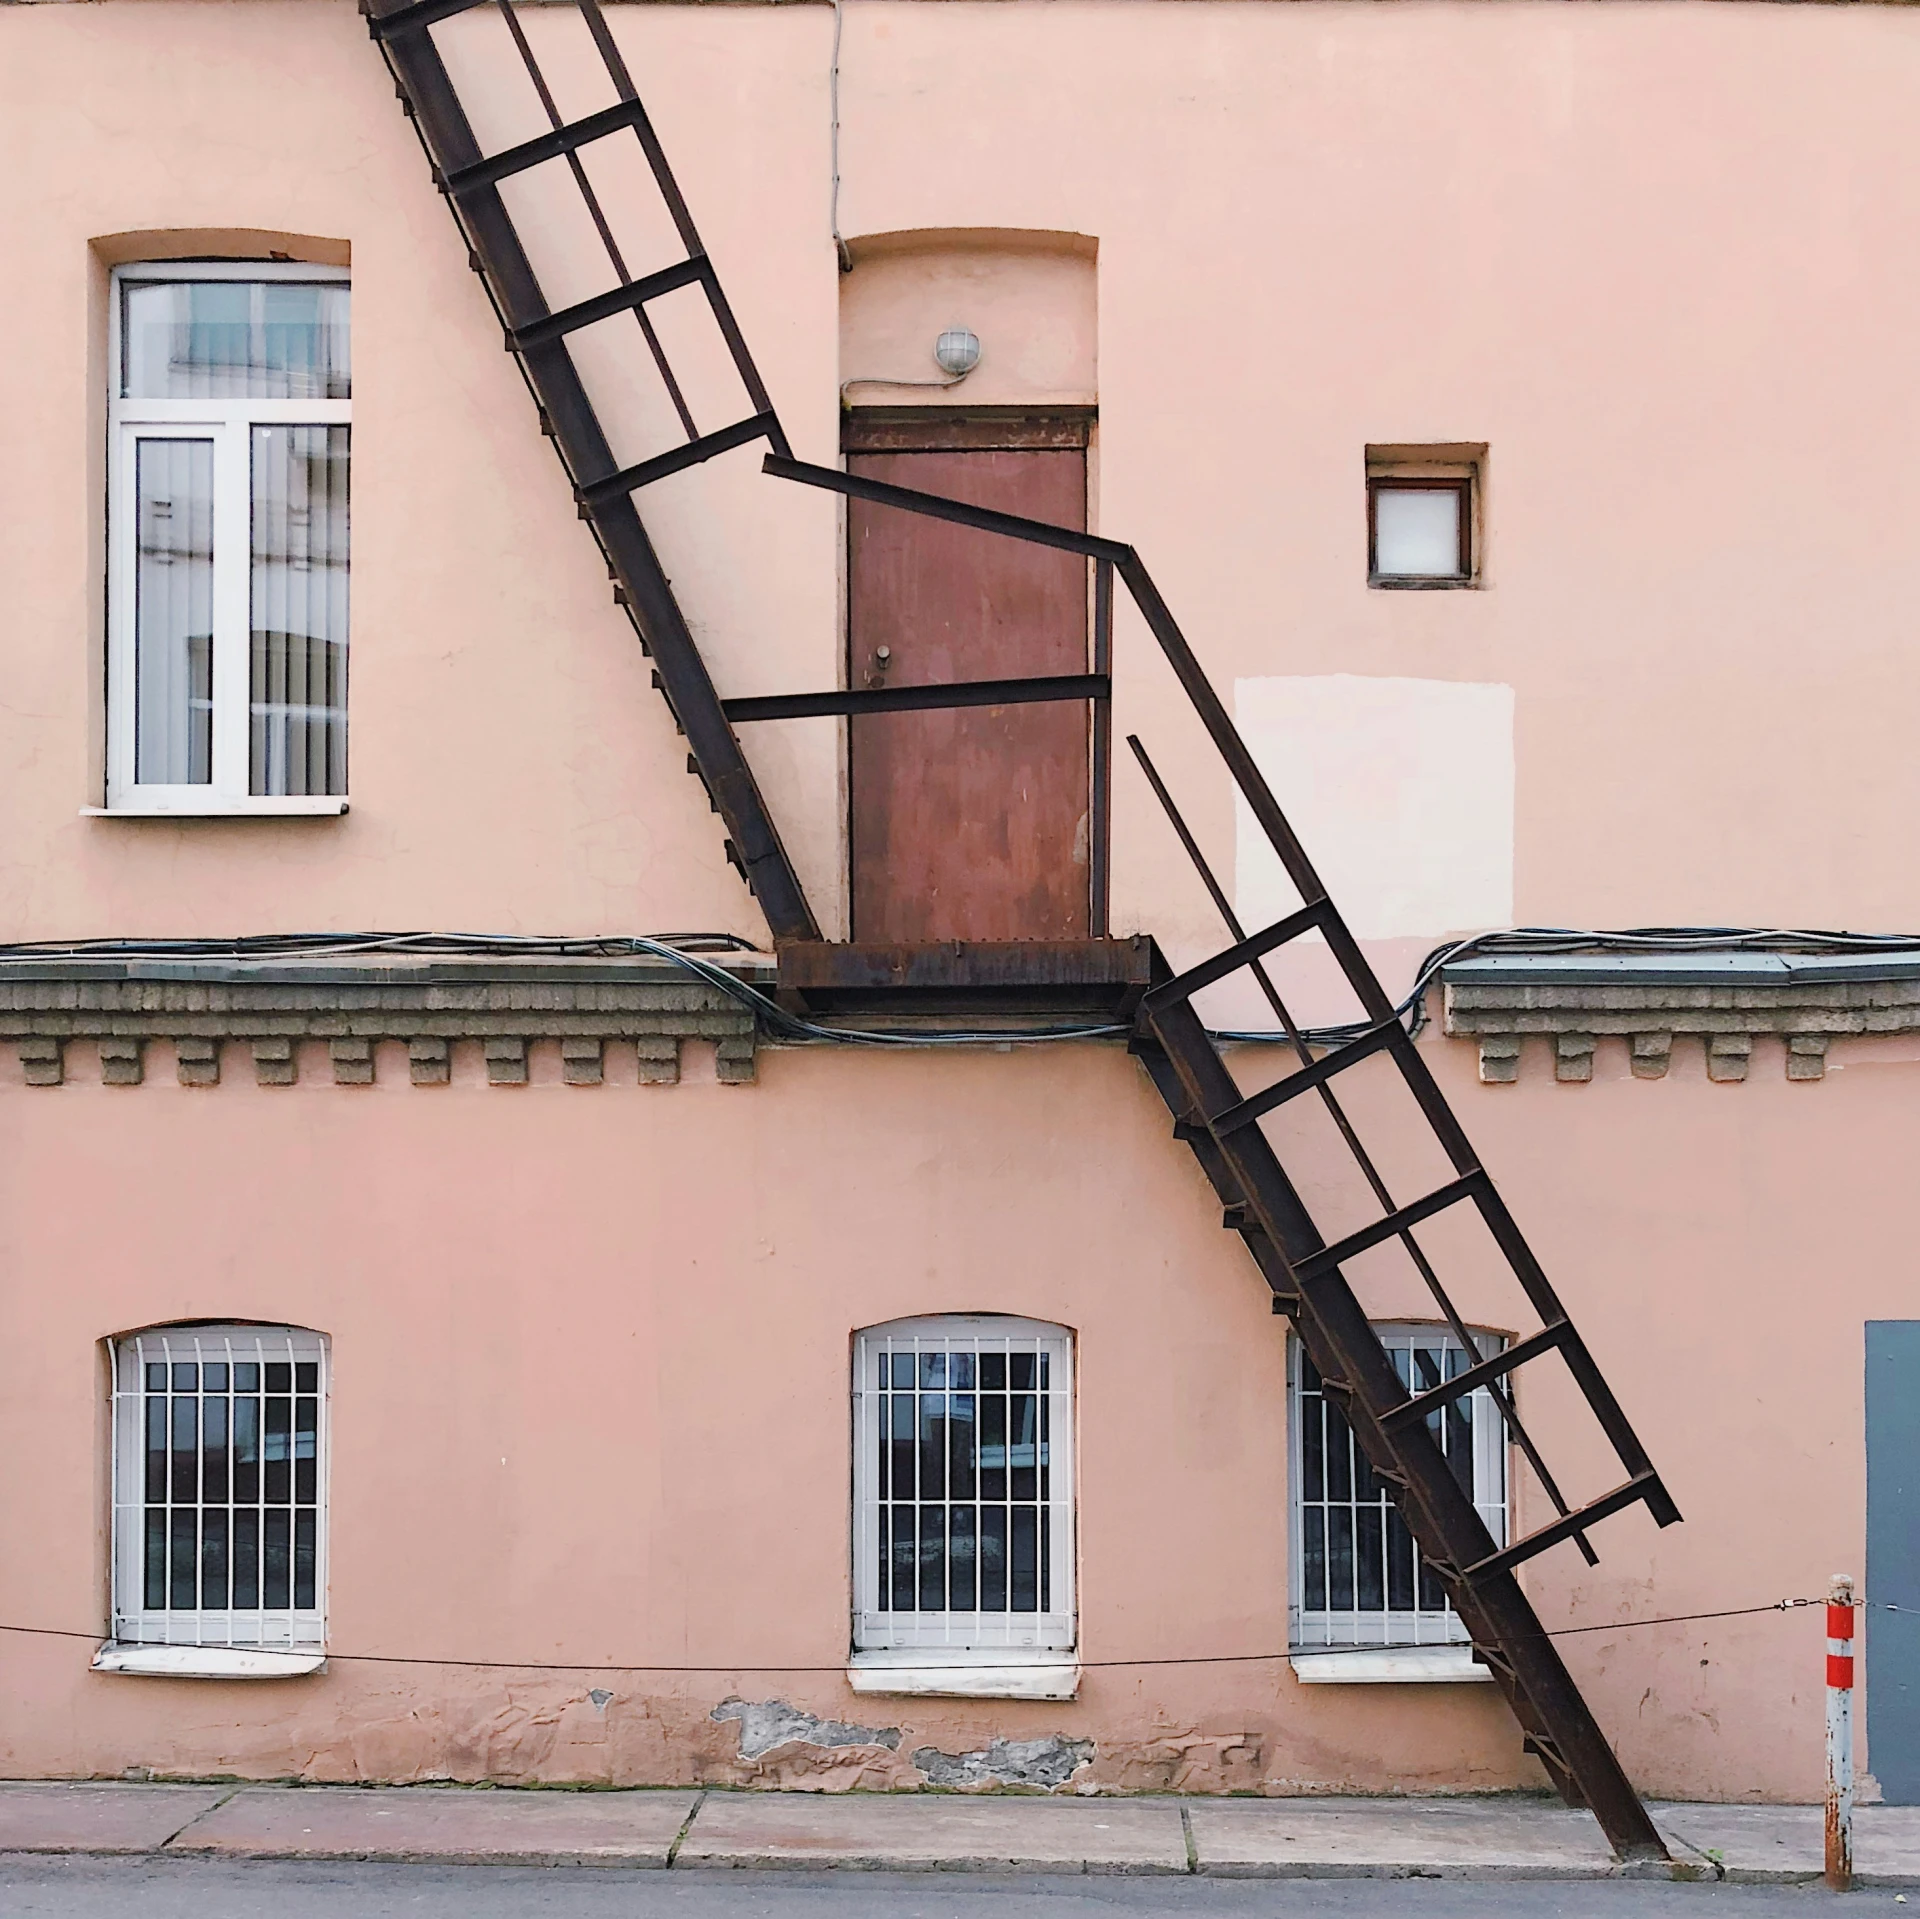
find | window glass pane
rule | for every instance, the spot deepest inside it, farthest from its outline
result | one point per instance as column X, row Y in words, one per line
column 155, row 1569
column 993, row 1559
column 1023, row 1561
column 246, row 1446
column 186, row 1451
column 303, row 1559
column 173, row 612
column 215, row 1480
column 246, row 1558
column 1416, row 532
column 213, row 1560
column 298, row 689
column 235, row 340
column 157, row 1441
column 183, row 1589
column 277, row 1559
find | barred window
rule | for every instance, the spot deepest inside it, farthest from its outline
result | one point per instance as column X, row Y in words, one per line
column 1358, row 1578
column 963, row 1485
column 220, row 1487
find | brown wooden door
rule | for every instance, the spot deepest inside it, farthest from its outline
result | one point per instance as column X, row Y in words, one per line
column 968, row 823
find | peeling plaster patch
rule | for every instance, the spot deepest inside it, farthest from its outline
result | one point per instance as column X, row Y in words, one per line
column 1044, row 1763
column 600, row 1699
column 767, row 1723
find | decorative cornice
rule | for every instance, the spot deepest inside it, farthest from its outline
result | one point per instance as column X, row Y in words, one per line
column 201, row 1006
column 1724, row 1000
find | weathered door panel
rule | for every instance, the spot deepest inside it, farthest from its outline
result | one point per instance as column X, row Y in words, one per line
column 968, row 823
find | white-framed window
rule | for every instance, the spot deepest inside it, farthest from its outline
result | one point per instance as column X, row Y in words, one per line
column 228, row 533
column 1358, row 1579
column 220, row 1489
column 963, row 1488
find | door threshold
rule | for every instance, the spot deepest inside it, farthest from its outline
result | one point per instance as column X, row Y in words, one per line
column 999, row 980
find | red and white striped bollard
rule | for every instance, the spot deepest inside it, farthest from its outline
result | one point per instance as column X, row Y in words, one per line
column 1840, row 1605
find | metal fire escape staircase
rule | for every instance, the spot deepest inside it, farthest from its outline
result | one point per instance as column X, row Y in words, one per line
column 1395, row 1422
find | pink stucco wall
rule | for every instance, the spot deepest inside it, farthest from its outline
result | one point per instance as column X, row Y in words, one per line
column 591, row 1347
column 590, row 1403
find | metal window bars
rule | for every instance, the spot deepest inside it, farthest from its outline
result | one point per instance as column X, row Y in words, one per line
column 963, row 1486
column 1212, row 1113
column 219, row 1487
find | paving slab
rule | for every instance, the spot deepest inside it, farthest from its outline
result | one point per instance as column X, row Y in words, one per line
column 933, row 1832
column 443, row 1825
column 1786, row 1845
column 98, row 1818
column 1396, row 1839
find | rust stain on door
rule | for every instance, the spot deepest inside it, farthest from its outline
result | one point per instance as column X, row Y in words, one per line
column 968, row 823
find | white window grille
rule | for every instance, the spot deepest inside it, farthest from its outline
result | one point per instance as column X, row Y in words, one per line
column 963, row 1485
column 219, row 1487
column 1358, row 1579
column 228, row 535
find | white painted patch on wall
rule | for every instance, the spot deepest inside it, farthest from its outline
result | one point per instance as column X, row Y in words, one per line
column 1400, row 790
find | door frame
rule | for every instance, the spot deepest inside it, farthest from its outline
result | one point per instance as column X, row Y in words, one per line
column 984, row 429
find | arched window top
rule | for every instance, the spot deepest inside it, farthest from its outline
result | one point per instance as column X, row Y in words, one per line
column 964, row 1326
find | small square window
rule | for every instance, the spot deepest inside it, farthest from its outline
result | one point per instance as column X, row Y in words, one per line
column 1423, row 510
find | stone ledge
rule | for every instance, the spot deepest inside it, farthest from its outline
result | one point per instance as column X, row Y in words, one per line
column 198, row 1007
column 1500, row 1006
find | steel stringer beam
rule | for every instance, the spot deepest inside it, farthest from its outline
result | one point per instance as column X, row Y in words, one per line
column 1440, row 1514
column 566, row 411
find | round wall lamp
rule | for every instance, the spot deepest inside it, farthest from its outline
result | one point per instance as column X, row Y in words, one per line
column 957, row 352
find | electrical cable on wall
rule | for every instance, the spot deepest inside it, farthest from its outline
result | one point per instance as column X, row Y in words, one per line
column 689, row 950
column 833, row 142
column 1101, row 1665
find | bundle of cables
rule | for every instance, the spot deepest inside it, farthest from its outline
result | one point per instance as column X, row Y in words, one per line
column 694, row 954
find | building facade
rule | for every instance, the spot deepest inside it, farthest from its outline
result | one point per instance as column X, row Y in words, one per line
column 523, row 1356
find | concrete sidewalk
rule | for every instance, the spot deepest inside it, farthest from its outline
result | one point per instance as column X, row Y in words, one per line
column 1492, row 1838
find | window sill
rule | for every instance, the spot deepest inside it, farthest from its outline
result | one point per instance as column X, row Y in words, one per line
column 264, row 807
column 937, row 1674
column 1421, row 583
column 1379, row 1666
column 208, row 1662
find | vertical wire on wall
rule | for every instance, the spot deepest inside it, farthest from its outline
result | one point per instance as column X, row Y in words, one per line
column 833, row 103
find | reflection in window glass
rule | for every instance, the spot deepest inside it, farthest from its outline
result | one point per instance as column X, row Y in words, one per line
column 235, row 340
column 229, row 513
column 298, row 672
column 173, row 612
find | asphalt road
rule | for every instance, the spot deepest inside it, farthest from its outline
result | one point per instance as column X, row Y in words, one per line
column 95, row 1888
